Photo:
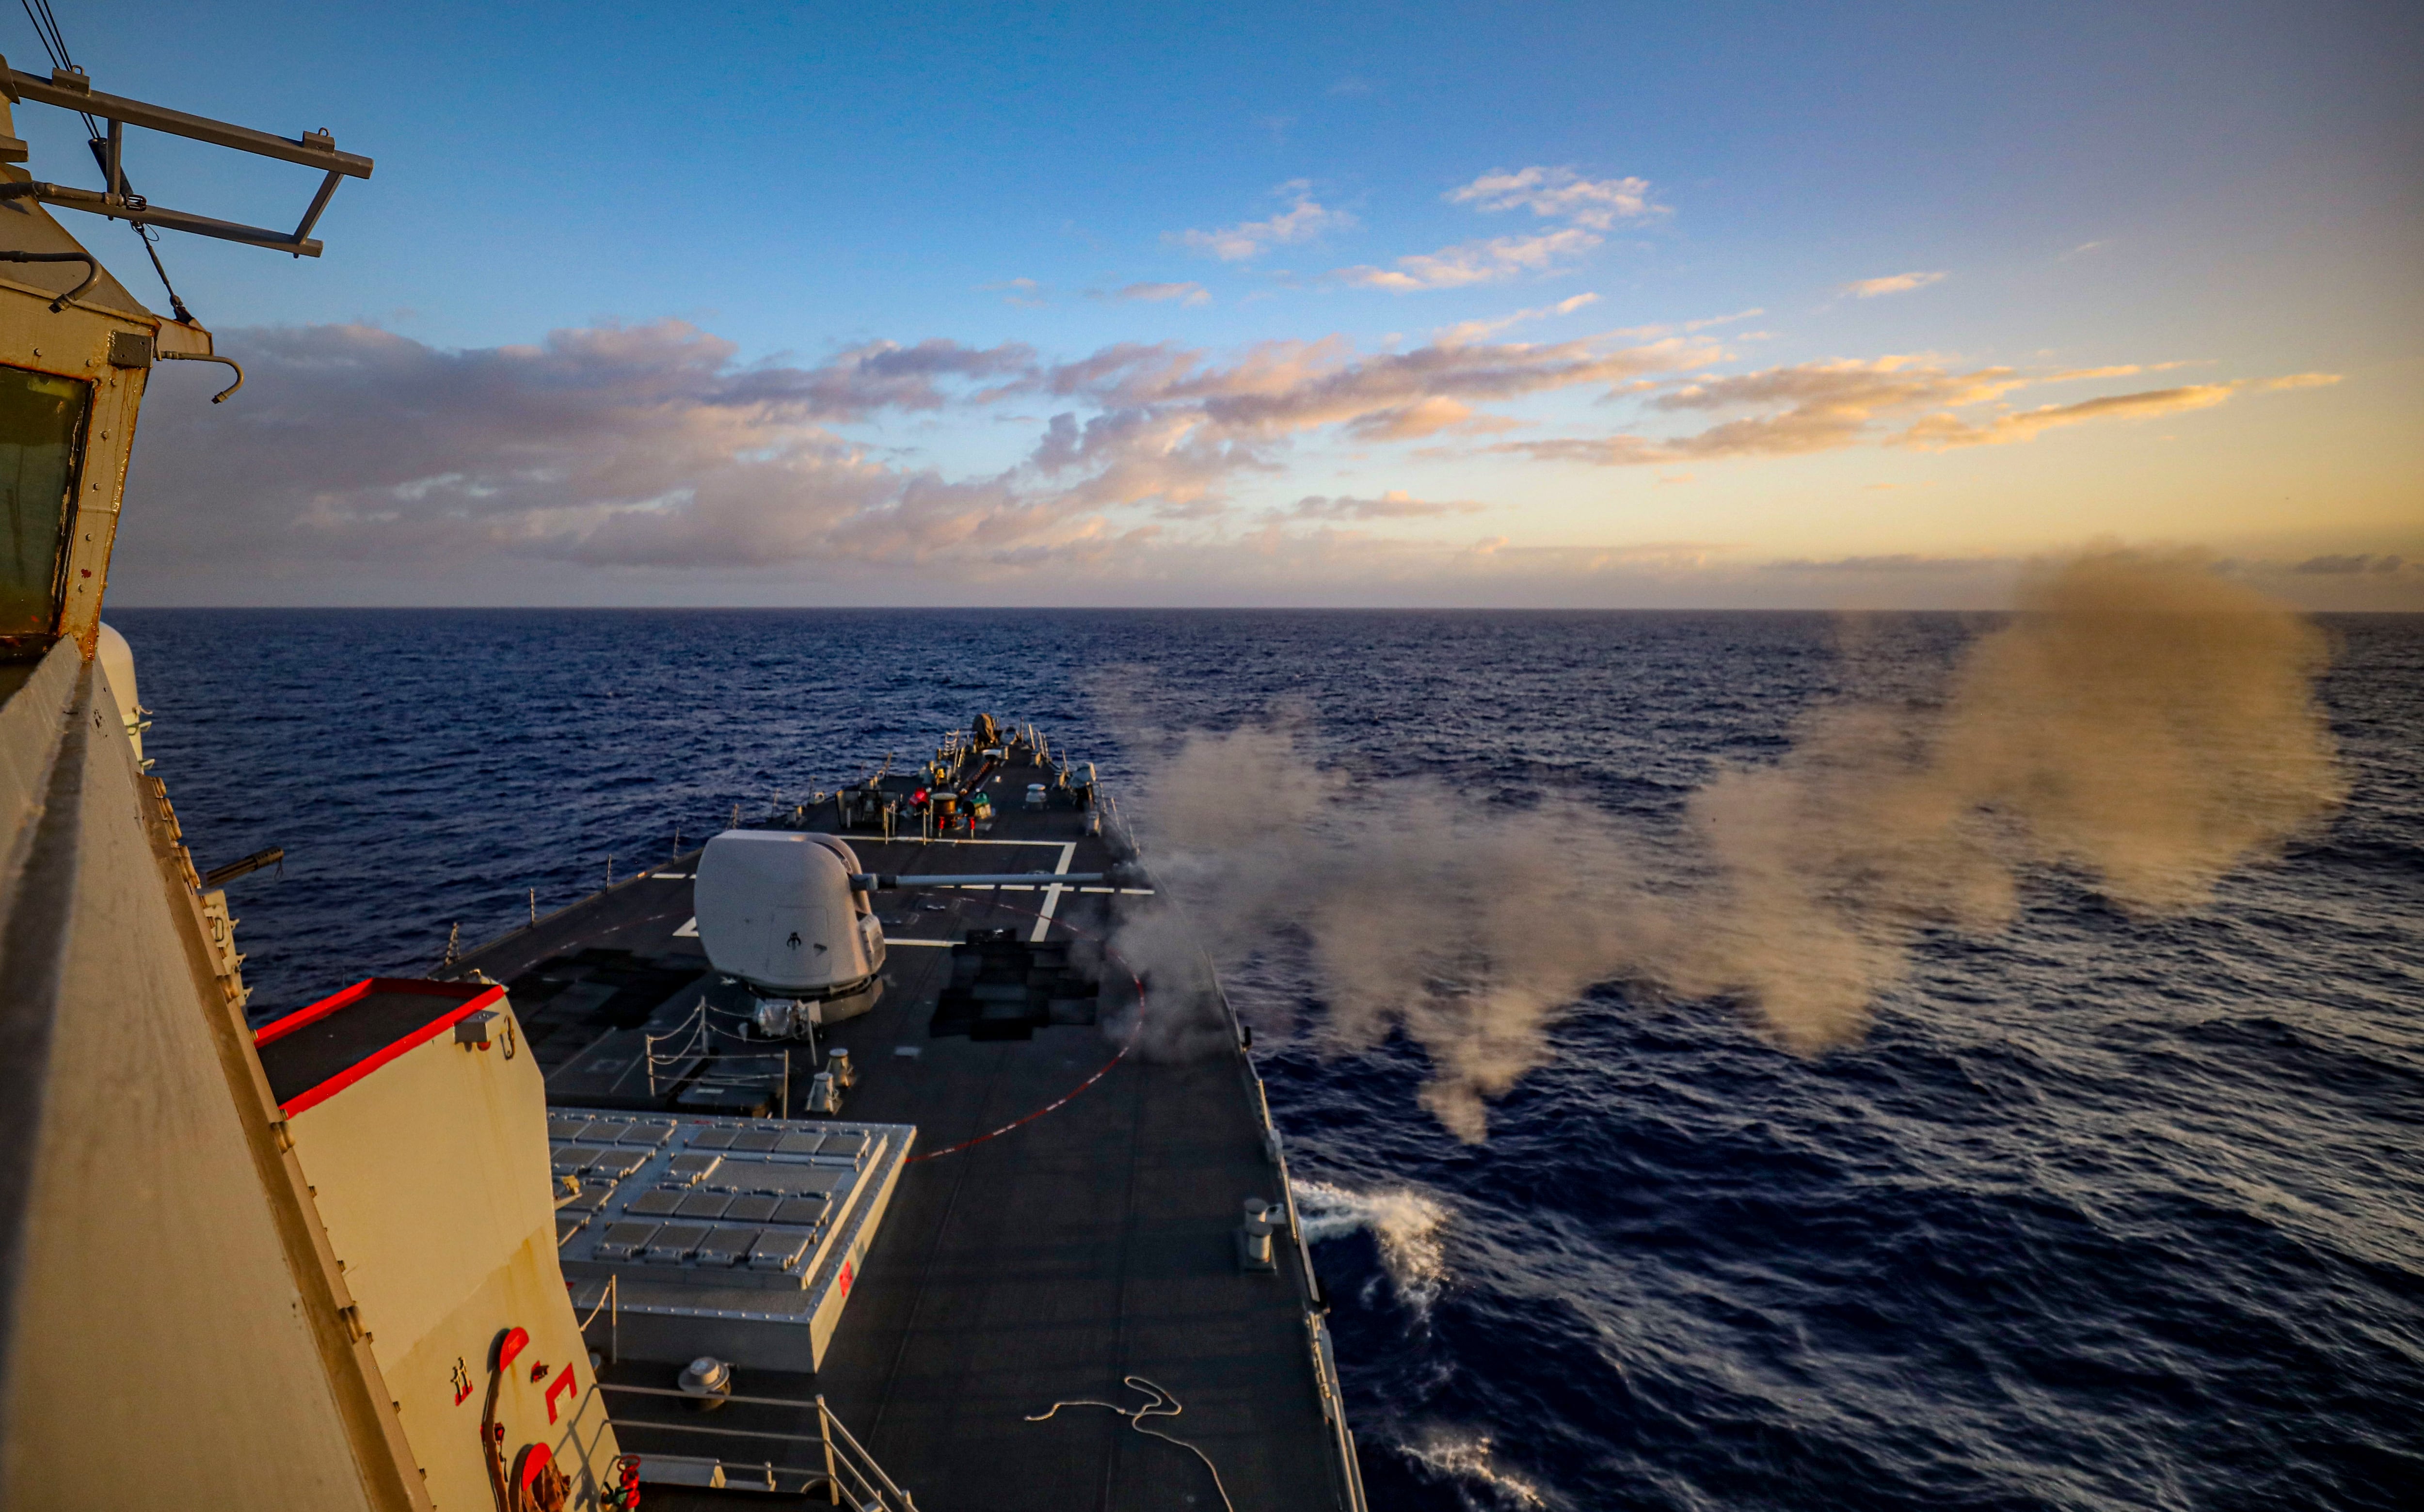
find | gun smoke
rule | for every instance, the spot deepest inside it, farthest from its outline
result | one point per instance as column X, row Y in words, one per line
column 2140, row 723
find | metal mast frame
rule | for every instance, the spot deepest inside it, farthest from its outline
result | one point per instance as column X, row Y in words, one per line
column 71, row 89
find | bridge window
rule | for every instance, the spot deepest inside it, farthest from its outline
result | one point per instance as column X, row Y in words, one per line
column 41, row 419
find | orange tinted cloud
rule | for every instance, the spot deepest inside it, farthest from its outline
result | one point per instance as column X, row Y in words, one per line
column 1895, row 283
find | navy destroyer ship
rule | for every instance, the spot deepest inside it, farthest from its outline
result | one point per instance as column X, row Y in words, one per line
column 842, row 1160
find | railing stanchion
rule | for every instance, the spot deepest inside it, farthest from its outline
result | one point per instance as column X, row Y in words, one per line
column 824, row 1431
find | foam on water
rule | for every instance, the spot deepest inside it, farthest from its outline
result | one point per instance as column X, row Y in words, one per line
column 1404, row 1223
column 1463, row 1457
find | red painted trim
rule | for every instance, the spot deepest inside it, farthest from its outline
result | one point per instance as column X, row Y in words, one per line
column 279, row 1028
column 355, row 1072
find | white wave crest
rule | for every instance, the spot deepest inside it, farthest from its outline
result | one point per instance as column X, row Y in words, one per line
column 1406, row 1224
column 1465, row 1455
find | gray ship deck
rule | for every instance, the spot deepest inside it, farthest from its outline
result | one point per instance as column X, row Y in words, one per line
column 1095, row 1242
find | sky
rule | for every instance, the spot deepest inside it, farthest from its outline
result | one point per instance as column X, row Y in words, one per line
column 1603, row 305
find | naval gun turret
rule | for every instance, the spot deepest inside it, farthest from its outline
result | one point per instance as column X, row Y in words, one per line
column 787, row 913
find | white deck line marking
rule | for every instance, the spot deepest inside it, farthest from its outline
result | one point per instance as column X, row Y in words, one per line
column 912, row 839
column 1052, row 895
column 689, row 930
column 670, row 876
column 941, row 945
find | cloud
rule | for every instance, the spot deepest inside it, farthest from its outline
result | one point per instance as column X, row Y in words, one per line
column 360, row 456
column 2298, row 380
column 1897, row 283
column 1304, row 220
column 1821, row 406
column 2363, row 561
column 1186, row 294
column 1824, row 406
column 1394, row 505
column 1591, row 205
column 1022, row 291
column 1899, row 564
column 1559, row 194
column 1485, row 262
column 1474, row 330
column 1279, row 387
column 608, row 447
column 1938, row 431
column 1350, row 87
column 1663, row 328
column 2119, row 370
column 652, row 447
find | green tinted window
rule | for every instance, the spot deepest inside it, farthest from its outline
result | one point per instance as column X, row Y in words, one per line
column 41, row 418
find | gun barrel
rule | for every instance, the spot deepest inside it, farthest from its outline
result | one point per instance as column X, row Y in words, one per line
column 870, row 881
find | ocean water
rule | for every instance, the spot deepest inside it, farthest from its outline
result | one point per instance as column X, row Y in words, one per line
column 2105, row 1212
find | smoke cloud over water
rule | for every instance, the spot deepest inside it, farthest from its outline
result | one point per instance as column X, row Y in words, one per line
column 2139, row 722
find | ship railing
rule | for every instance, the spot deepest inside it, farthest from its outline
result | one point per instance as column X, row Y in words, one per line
column 696, row 1043
column 849, row 1476
column 1349, row 1470
column 690, row 1031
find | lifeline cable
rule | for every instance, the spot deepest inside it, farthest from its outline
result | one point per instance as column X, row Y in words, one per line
column 1164, row 1405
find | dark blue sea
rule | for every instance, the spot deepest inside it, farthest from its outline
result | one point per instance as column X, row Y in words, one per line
column 2104, row 1212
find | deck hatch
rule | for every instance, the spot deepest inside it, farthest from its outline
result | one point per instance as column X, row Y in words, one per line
column 622, row 1241
column 779, row 1249
column 618, row 1162
column 675, row 1241
column 591, row 1197
column 810, row 1211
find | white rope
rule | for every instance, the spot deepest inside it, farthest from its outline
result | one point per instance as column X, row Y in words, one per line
column 1163, row 1405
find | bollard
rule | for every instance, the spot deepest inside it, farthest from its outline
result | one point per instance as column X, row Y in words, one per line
column 1255, row 1237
